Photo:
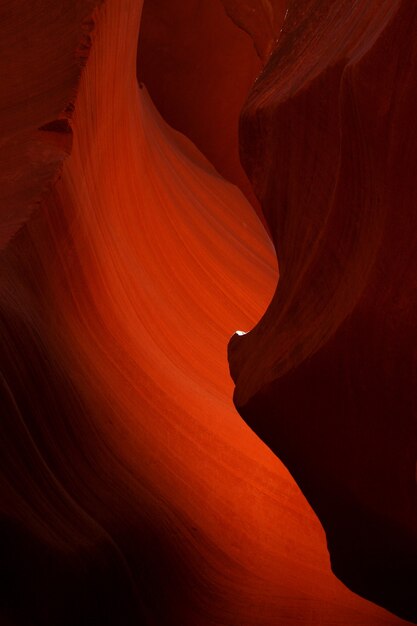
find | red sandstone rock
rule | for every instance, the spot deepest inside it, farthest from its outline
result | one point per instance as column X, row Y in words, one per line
column 198, row 68
column 43, row 46
column 132, row 493
column 327, row 377
column 262, row 19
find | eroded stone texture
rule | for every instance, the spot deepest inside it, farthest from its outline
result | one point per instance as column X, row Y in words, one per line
column 328, row 376
column 43, row 46
column 199, row 67
column 261, row 19
column 132, row 492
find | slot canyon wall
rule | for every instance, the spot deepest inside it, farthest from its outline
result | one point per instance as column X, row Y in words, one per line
column 327, row 378
column 132, row 250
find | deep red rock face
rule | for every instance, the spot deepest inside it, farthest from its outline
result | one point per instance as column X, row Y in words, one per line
column 261, row 19
column 327, row 378
column 43, row 46
column 199, row 76
column 131, row 491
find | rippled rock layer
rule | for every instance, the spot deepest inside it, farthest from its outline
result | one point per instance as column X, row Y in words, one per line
column 327, row 378
column 132, row 493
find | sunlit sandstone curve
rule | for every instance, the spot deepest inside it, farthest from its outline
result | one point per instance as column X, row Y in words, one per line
column 134, row 493
column 199, row 76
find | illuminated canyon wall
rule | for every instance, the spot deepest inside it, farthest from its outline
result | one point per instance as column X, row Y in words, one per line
column 132, row 491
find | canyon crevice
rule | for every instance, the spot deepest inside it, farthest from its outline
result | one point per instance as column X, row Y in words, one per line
column 132, row 491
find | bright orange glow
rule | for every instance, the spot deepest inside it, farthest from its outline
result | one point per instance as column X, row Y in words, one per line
column 149, row 262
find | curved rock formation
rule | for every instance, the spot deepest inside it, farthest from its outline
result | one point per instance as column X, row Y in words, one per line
column 43, row 46
column 327, row 377
column 261, row 19
column 132, row 493
column 198, row 68
column 199, row 75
